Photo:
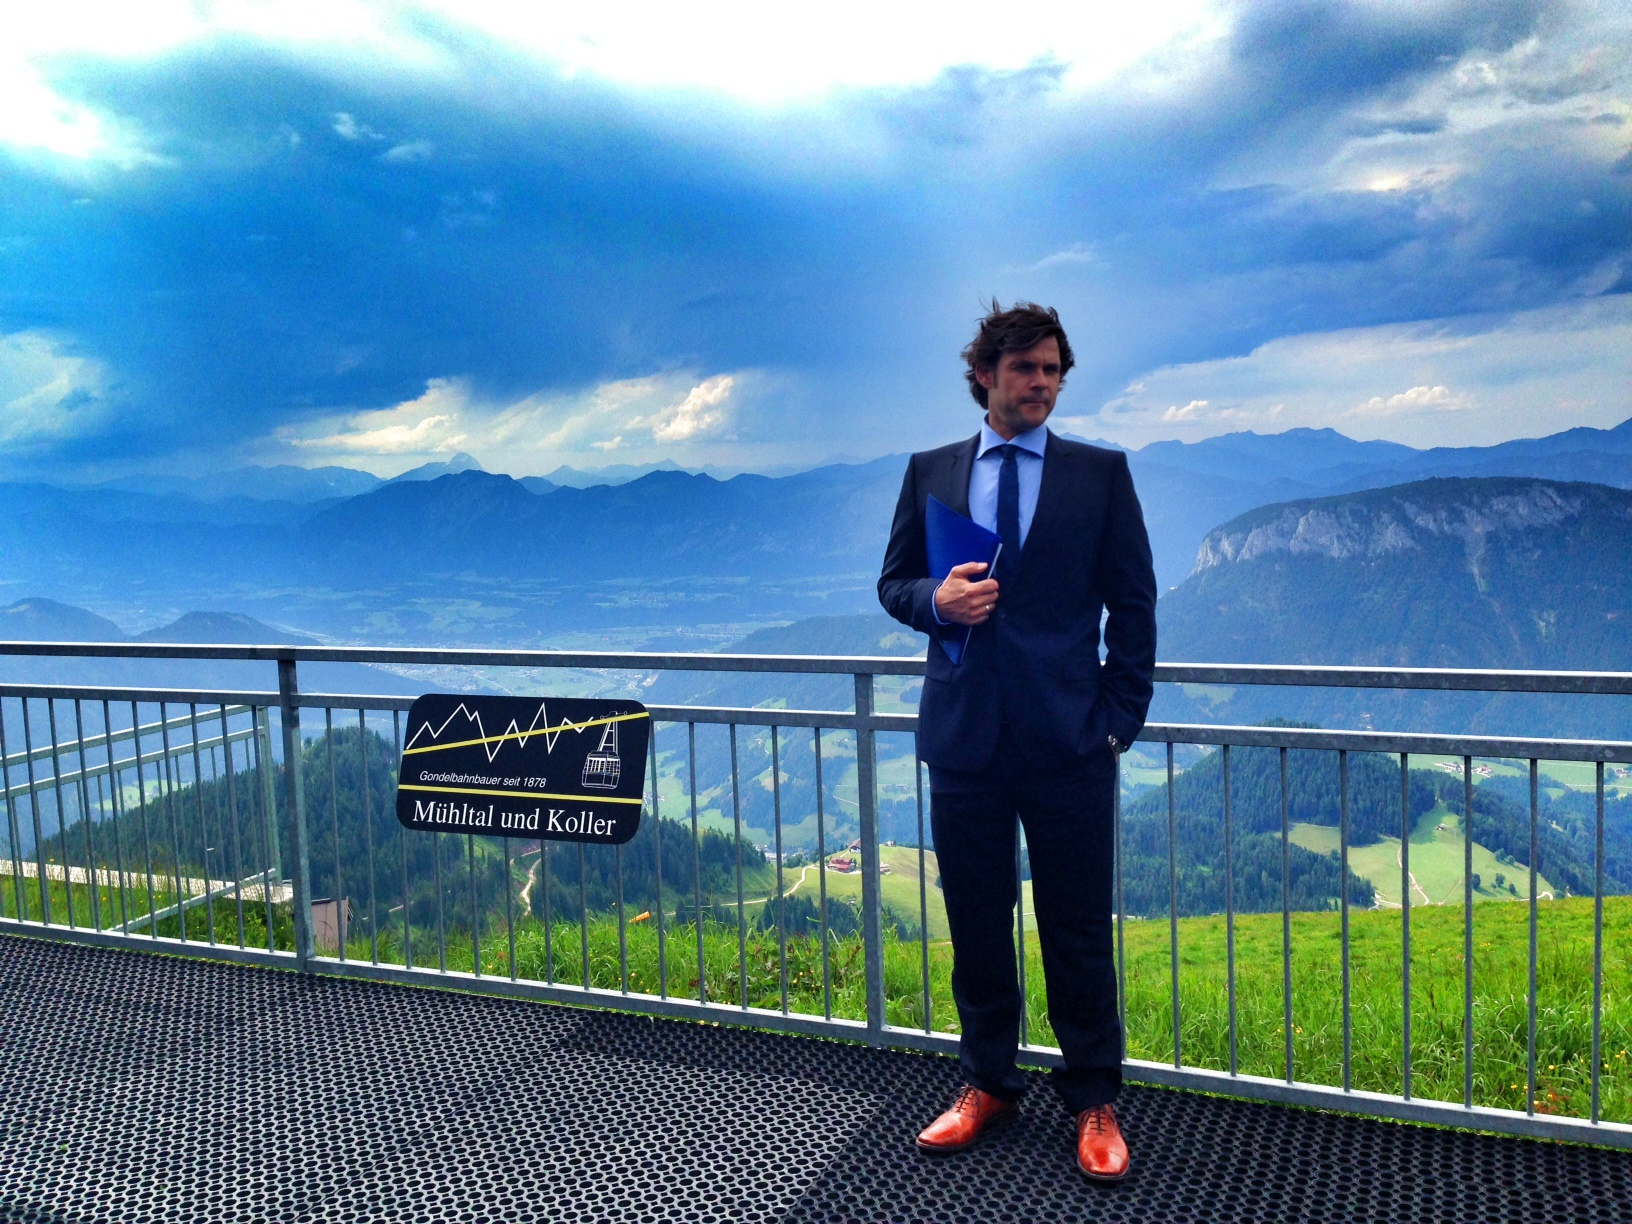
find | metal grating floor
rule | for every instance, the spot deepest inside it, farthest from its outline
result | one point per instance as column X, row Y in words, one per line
column 142, row 1088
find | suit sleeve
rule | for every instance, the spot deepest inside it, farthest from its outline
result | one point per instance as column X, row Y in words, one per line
column 904, row 587
column 1127, row 582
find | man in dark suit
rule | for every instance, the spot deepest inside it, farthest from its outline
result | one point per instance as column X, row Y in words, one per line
column 1029, row 723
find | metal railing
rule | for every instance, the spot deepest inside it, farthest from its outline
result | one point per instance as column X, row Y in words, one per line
column 197, row 822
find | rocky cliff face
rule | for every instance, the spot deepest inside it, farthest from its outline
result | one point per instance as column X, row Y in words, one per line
column 1467, row 573
column 1406, row 519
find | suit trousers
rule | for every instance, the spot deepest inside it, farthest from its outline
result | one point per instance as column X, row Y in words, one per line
column 1070, row 838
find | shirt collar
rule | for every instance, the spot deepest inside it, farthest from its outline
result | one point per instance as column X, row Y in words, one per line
column 1033, row 440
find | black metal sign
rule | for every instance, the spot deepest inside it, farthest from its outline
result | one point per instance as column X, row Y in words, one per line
column 561, row 768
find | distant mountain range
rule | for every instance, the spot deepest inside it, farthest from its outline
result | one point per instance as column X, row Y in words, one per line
column 451, row 554
column 46, row 620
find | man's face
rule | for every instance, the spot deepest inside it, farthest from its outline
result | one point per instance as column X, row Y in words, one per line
column 1021, row 389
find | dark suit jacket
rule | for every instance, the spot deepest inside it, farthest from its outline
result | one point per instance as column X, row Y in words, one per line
column 1036, row 661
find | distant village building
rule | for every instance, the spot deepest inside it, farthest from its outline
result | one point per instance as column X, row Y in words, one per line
column 841, row 862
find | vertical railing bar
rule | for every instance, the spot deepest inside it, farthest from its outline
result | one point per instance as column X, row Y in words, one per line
column 402, row 845
column 441, row 904
column 1535, row 854
column 1286, row 913
column 147, row 835
column 102, row 805
column 259, row 809
column 232, row 816
column 1405, row 924
column 368, row 840
column 1467, row 932
column 172, row 777
column 85, row 815
column 657, row 860
column 923, row 883
column 1019, row 836
column 13, row 832
column 294, row 807
column 334, row 829
column 1343, row 905
column 1173, row 900
column 623, row 929
column 1229, row 906
column 510, row 905
column 549, row 914
column 116, row 802
column 696, row 863
column 781, row 907
column 742, row 925
column 62, row 827
column 872, row 934
column 203, row 823
column 1121, row 903
column 821, row 875
column 112, row 803
column 1598, row 942
column 475, row 907
column 34, row 811
column 583, row 914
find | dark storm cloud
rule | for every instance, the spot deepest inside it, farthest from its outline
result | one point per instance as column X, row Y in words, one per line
column 318, row 239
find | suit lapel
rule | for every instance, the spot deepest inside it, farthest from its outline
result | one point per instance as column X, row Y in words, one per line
column 956, row 492
column 1050, row 495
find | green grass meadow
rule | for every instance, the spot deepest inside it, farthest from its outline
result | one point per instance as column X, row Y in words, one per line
column 744, row 966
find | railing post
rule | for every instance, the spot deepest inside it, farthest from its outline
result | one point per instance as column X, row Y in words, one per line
column 867, row 801
column 294, row 801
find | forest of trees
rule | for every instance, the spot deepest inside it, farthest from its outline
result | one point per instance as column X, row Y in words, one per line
column 220, row 827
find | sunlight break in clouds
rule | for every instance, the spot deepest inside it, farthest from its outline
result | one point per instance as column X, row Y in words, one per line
column 1446, row 382
column 643, row 419
column 756, row 52
column 424, row 426
column 47, row 395
column 701, row 412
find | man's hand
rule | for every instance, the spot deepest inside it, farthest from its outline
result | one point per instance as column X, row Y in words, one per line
column 964, row 599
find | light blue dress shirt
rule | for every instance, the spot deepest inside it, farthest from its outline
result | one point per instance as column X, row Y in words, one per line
column 988, row 463
column 983, row 476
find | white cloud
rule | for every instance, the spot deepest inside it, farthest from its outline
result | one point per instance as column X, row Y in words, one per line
column 347, row 128
column 761, row 53
column 1467, row 381
column 701, row 412
column 1411, row 402
column 46, row 394
column 1190, row 412
column 409, row 151
column 643, row 419
column 425, row 426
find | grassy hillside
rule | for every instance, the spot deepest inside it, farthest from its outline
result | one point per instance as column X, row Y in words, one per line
column 1436, row 863
column 1500, row 975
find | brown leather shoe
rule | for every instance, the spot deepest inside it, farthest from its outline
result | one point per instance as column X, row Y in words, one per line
column 1102, row 1153
column 973, row 1112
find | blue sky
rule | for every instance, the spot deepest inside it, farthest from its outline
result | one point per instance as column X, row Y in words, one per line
column 758, row 235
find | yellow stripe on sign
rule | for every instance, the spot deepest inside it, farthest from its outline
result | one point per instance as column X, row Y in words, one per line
column 511, row 735
column 470, row 790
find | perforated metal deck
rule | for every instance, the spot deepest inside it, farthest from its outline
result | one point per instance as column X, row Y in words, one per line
column 137, row 1088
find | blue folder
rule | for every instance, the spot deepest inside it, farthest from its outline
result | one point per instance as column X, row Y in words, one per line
column 952, row 539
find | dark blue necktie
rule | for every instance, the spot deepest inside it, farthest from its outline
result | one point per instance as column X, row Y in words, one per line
column 1008, row 508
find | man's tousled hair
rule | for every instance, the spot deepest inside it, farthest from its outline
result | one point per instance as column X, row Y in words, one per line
column 1015, row 330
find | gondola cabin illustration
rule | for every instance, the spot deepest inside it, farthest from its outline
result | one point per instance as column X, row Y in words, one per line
column 603, row 767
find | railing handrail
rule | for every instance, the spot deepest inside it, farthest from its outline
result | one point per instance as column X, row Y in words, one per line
column 1297, row 675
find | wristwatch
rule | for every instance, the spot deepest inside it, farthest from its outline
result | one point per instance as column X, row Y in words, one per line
column 1117, row 746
